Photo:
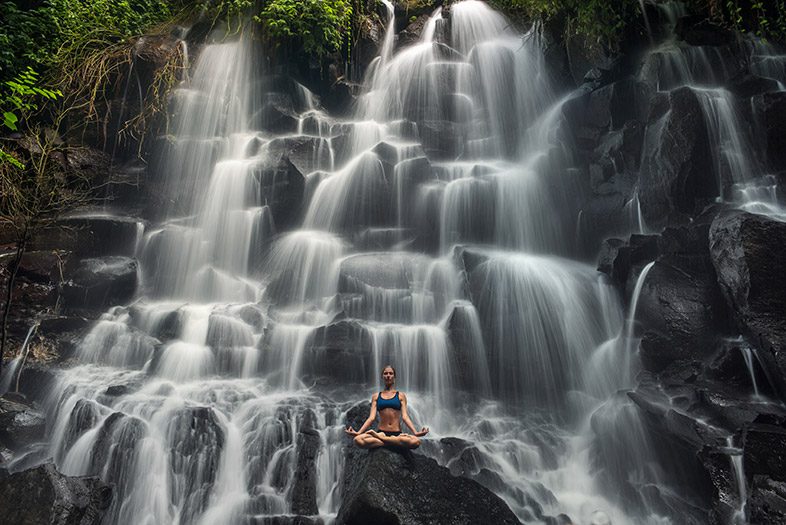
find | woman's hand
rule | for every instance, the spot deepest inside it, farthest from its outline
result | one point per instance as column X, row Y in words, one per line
column 423, row 432
column 351, row 431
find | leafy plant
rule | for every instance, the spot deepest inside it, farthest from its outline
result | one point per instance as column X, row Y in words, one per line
column 320, row 26
column 17, row 100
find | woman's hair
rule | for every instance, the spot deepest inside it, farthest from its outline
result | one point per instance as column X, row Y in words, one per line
column 388, row 366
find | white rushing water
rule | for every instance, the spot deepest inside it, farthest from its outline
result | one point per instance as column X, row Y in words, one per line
column 436, row 234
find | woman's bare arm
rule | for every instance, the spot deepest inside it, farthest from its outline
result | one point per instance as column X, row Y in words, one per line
column 407, row 421
column 369, row 421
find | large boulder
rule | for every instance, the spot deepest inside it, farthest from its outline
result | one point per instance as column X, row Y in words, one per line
column 442, row 139
column 101, row 282
column 770, row 110
column 92, row 235
column 20, row 424
column 389, row 487
column 196, row 439
column 307, row 154
column 680, row 311
column 281, row 187
column 676, row 176
column 304, row 489
column 340, row 350
column 749, row 253
column 43, row 495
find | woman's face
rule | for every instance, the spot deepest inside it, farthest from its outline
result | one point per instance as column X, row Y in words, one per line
column 388, row 376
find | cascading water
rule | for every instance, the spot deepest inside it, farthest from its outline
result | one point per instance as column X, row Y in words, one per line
column 433, row 235
column 673, row 64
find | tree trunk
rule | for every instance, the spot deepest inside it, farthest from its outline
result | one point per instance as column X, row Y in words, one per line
column 21, row 244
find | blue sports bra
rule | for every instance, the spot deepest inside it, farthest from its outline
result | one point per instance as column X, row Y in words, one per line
column 394, row 402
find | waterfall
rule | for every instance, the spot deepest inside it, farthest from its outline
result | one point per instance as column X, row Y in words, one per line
column 673, row 64
column 433, row 230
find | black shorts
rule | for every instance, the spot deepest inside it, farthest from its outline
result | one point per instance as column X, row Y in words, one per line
column 390, row 433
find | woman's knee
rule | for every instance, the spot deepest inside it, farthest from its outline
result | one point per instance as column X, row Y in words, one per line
column 412, row 442
column 360, row 440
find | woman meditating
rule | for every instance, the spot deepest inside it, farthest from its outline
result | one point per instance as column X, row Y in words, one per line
column 392, row 406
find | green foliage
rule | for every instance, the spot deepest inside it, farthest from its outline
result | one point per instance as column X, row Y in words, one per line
column 601, row 22
column 320, row 26
column 41, row 36
column 765, row 18
column 18, row 98
column 604, row 22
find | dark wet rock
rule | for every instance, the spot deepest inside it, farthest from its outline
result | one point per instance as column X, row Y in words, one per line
column 357, row 415
column 281, row 186
column 60, row 336
column 617, row 155
column 387, row 152
column 407, row 9
column 748, row 85
column 468, row 463
column 382, row 270
column 43, row 495
column 767, row 501
column 340, row 350
column 36, row 380
column 283, row 520
column 196, row 440
column 391, row 487
column 620, row 259
column 277, row 114
column 307, row 154
column 729, row 368
column 411, row 34
column 84, row 416
column 408, row 177
column 270, row 434
column 101, row 282
column 466, row 342
column 42, row 266
column 697, row 30
column 689, row 246
column 442, row 139
column 304, row 490
column 765, row 451
column 585, row 59
column 118, row 390
column 680, row 312
column 382, row 238
column 92, row 235
column 165, row 328
column 676, row 176
column 20, row 424
column 717, row 461
column 469, row 258
column 609, row 107
column 285, row 91
column 749, row 254
column 225, row 331
column 770, row 110
column 609, row 251
column 339, row 98
column 116, row 449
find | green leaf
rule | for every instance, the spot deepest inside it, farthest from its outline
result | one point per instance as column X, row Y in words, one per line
column 10, row 120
